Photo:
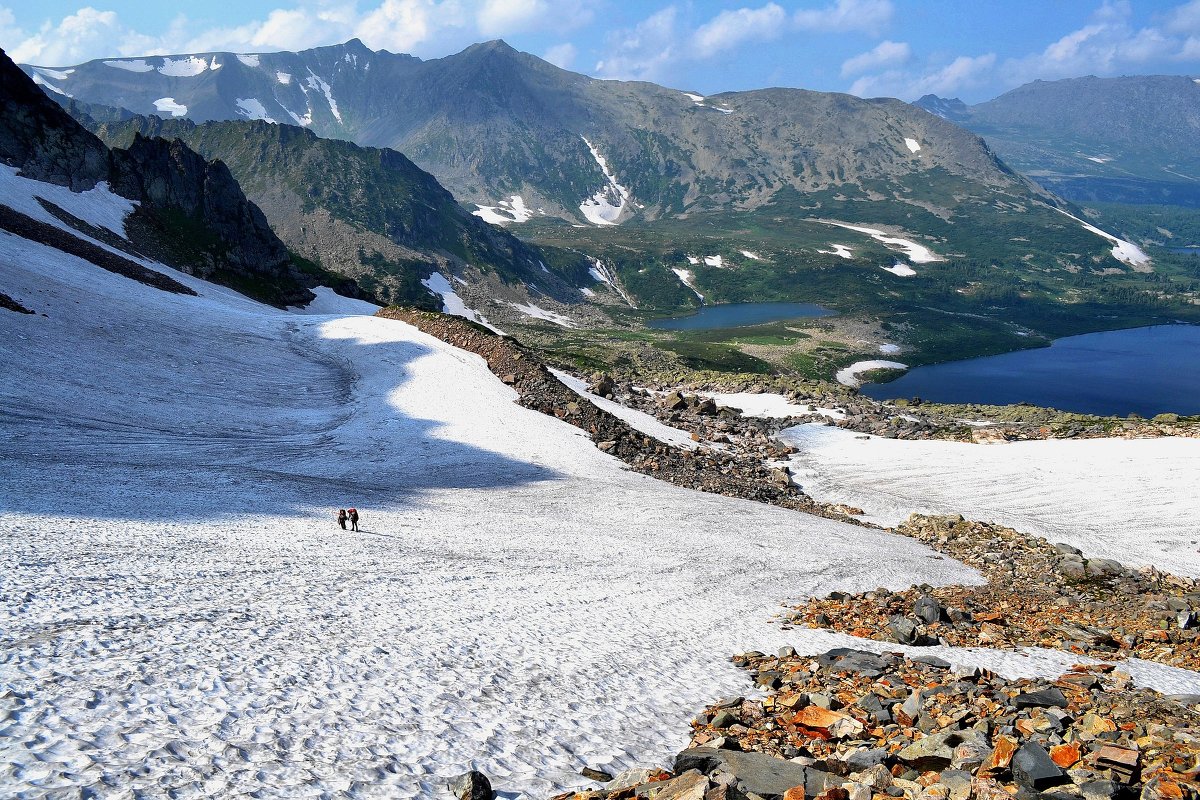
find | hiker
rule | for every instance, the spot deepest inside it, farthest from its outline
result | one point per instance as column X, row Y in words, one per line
column 341, row 518
column 353, row 519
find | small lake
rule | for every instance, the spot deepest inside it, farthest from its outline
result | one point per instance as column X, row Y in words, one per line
column 739, row 315
column 1146, row 371
column 1187, row 250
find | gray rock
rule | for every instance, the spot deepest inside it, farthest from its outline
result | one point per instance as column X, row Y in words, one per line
column 844, row 659
column 723, row 719
column 932, row 661
column 1067, row 549
column 1043, row 698
column 471, row 785
column 1099, row 790
column 691, row 785
column 860, row 760
column 630, row 778
column 1033, row 769
column 936, row 752
column 598, row 775
column 903, row 630
column 874, row 707
column 756, row 773
column 928, row 609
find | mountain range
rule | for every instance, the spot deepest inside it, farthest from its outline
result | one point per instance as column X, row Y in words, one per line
column 1128, row 139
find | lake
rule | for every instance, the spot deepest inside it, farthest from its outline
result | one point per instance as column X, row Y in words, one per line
column 1187, row 249
column 739, row 315
column 1146, row 371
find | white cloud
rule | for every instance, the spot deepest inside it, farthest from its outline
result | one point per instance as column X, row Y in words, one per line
column 731, row 28
column 869, row 16
column 400, row 25
column 86, row 31
column 642, row 52
column 884, row 54
column 1184, row 19
column 561, row 55
column 963, row 73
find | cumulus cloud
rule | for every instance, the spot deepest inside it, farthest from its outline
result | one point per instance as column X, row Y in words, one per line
column 884, row 54
column 961, row 74
column 869, row 16
column 643, row 51
column 506, row 17
column 731, row 28
column 561, row 55
column 88, row 30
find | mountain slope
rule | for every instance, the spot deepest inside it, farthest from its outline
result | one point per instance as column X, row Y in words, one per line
column 367, row 213
column 1129, row 139
column 184, row 211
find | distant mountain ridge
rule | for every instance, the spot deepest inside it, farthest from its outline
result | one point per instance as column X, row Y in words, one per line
column 1128, row 139
column 493, row 124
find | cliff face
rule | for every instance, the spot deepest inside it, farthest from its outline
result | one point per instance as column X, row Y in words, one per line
column 192, row 215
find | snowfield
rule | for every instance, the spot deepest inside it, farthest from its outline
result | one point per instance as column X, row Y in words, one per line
column 183, row 615
column 1133, row 500
column 605, row 206
column 849, row 376
column 917, row 253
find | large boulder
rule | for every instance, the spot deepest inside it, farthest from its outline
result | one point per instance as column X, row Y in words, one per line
column 757, row 773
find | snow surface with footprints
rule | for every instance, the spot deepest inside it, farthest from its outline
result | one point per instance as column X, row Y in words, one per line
column 182, row 615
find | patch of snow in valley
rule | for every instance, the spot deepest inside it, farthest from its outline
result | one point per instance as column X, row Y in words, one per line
column 693, row 260
column 188, row 67
column 603, row 273
column 695, row 98
column 537, row 312
column 903, row 270
column 316, row 82
column 40, row 81
column 1099, row 159
column 768, row 405
column 283, row 78
column 687, row 277
column 1133, row 500
column 638, row 420
column 587, row 292
column 917, row 253
column 838, row 250
column 249, row 59
column 751, row 255
column 186, row 618
column 330, row 302
column 303, row 120
column 850, row 376
column 1123, row 251
column 252, row 108
column 714, row 261
column 452, row 303
column 167, row 105
column 130, row 64
column 505, row 212
column 913, row 145
column 97, row 206
column 605, row 206
column 889, row 349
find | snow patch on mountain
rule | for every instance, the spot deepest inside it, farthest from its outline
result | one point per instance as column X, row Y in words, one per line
column 249, row 59
column 917, row 253
column 130, row 64
column 167, row 105
column 687, row 278
column 283, row 78
column 838, row 250
column 53, row 74
column 505, row 212
column 252, row 108
column 889, row 349
column 97, row 206
column 714, row 261
column 188, row 67
column 850, row 376
column 303, row 120
column 695, row 98
column 752, row 255
column 638, row 420
column 1099, row 159
column 1123, row 251
column 317, row 82
column 452, row 303
column 605, row 206
column 537, row 312
column 903, row 270
column 40, row 81
column 330, row 302
column 605, row 274
column 913, row 145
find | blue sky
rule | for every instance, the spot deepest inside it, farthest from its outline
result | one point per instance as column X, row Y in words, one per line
column 973, row 49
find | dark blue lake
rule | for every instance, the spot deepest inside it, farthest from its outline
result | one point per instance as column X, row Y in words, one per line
column 1187, row 250
column 1146, row 371
column 739, row 315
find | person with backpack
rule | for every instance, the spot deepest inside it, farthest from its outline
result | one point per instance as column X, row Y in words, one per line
column 353, row 513
column 342, row 517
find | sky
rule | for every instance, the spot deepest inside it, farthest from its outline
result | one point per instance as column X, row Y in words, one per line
column 972, row 49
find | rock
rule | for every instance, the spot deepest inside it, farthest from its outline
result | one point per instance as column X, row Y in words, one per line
column 866, row 758
column 904, row 630
column 1033, row 768
column 673, row 402
column 1104, row 567
column 471, row 785
column 936, row 752
column 1003, row 749
column 761, row 774
column 1065, row 755
column 630, row 778
column 836, row 724
column 1123, row 762
column 724, row 719
column 932, row 661
column 871, row 704
column 1044, row 698
column 1099, row 790
column 598, row 775
column 928, row 609
column 843, row 659
column 1068, row 550
column 691, row 785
